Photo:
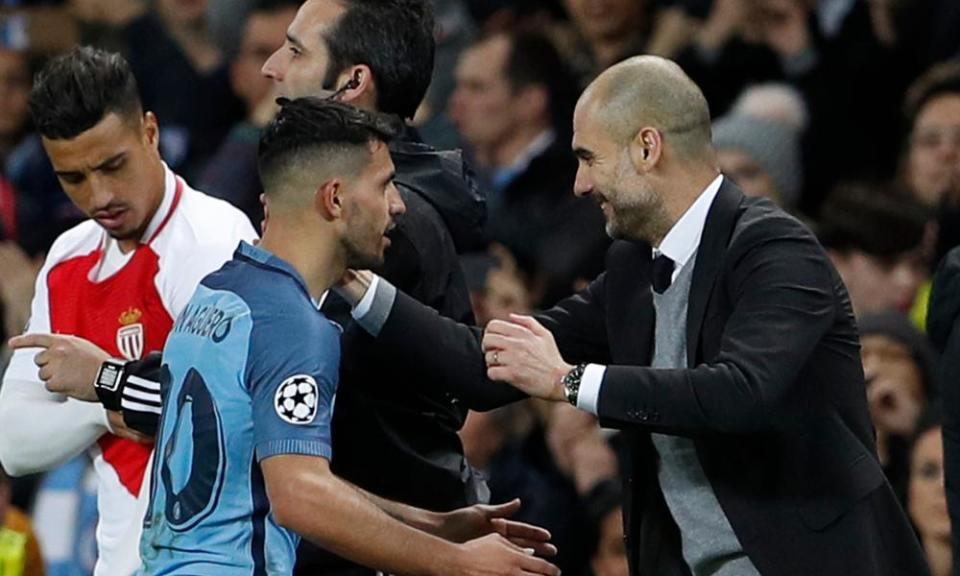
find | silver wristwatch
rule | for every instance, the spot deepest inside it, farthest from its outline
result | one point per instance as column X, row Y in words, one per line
column 571, row 383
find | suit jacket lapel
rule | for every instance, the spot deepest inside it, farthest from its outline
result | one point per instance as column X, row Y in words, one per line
column 713, row 245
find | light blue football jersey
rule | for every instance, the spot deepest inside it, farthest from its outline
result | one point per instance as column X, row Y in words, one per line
column 250, row 372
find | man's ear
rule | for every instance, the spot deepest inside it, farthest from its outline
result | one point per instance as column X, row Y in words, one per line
column 328, row 200
column 646, row 149
column 354, row 81
column 151, row 129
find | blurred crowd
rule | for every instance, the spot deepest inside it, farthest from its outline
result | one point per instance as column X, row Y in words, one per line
column 845, row 112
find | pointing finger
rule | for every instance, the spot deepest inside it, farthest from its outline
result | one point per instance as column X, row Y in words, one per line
column 32, row 341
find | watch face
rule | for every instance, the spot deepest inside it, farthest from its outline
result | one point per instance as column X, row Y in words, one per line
column 109, row 377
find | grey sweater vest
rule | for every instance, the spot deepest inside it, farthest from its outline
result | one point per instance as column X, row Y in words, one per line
column 710, row 547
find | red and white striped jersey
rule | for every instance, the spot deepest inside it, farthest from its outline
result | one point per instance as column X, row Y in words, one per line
column 125, row 304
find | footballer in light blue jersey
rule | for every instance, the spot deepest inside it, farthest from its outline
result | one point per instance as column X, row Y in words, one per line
column 250, row 372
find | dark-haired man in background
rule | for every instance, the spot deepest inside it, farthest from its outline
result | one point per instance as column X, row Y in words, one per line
column 242, row 459
column 512, row 105
column 118, row 280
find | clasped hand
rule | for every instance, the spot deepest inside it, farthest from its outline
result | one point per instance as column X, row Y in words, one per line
column 524, row 354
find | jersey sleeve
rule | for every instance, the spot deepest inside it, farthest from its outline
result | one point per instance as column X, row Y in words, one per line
column 292, row 379
column 40, row 429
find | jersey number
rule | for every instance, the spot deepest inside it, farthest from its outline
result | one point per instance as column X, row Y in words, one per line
column 194, row 458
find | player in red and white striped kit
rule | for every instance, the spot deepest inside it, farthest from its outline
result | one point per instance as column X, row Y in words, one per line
column 118, row 280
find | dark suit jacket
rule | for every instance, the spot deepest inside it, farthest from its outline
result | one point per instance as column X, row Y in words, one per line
column 775, row 402
column 943, row 325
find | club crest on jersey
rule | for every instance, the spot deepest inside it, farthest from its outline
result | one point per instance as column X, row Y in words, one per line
column 130, row 334
column 296, row 399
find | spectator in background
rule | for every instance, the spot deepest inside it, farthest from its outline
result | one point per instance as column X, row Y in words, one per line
column 873, row 237
column 816, row 47
column 927, row 503
column 33, row 208
column 762, row 156
column 19, row 551
column 931, row 160
column 232, row 172
column 511, row 98
column 603, row 33
column 497, row 287
column 182, row 73
column 899, row 366
column 776, row 102
column 608, row 555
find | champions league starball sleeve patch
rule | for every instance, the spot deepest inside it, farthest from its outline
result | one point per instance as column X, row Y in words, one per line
column 296, row 399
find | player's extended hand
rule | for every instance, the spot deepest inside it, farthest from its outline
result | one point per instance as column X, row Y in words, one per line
column 524, row 354
column 68, row 364
column 494, row 555
column 479, row 520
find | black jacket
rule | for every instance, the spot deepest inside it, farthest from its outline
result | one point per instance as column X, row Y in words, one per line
column 775, row 403
column 395, row 432
column 944, row 331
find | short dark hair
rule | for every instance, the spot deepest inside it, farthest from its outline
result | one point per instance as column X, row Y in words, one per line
column 76, row 90
column 534, row 60
column 318, row 125
column 877, row 219
column 395, row 39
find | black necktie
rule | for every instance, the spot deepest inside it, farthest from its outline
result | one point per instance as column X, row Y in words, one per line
column 662, row 273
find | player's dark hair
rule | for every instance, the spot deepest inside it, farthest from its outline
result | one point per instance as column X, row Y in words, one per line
column 395, row 39
column 76, row 90
column 321, row 126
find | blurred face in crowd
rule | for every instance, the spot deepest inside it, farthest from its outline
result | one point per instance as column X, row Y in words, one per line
column 184, row 12
column 374, row 202
column 14, row 93
column 113, row 172
column 505, row 294
column 927, row 501
column 263, row 35
column 877, row 284
column 632, row 209
column 894, row 384
column 605, row 19
column 934, row 156
column 610, row 558
column 299, row 67
column 480, row 106
column 747, row 173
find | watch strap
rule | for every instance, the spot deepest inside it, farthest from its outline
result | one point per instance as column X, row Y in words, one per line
column 571, row 383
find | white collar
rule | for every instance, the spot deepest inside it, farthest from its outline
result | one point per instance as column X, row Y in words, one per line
column 682, row 240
